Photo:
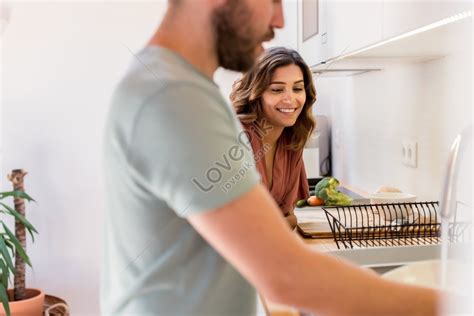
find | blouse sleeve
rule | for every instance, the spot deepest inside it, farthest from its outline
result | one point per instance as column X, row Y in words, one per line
column 303, row 187
column 298, row 187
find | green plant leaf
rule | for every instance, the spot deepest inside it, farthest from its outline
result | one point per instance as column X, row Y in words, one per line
column 16, row 194
column 31, row 234
column 4, row 299
column 19, row 249
column 5, row 254
column 10, row 245
column 5, row 273
column 19, row 217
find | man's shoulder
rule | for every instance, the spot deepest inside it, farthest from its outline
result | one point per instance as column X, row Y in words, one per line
column 141, row 89
column 160, row 67
column 159, row 77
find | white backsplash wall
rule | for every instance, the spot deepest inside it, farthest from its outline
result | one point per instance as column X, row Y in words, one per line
column 373, row 113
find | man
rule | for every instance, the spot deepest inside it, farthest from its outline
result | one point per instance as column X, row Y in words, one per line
column 188, row 223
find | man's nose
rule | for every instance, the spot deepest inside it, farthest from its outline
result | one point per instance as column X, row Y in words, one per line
column 278, row 20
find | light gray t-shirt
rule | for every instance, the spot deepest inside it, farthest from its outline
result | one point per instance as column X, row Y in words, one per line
column 173, row 148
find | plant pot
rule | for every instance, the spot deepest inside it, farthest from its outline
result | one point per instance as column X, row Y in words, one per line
column 55, row 306
column 31, row 306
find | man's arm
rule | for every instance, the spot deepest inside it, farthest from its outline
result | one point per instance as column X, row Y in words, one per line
column 279, row 265
column 291, row 219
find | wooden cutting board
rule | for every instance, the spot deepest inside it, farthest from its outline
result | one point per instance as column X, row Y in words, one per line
column 312, row 222
column 315, row 230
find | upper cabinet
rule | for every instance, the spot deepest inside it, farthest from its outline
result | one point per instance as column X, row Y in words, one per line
column 330, row 30
column 403, row 16
column 312, row 31
column 352, row 25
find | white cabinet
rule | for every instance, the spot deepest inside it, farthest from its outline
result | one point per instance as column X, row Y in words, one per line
column 312, row 31
column 403, row 16
column 352, row 25
column 328, row 29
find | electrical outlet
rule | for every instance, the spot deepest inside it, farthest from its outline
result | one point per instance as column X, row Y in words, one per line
column 410, row 153
column 404, row 153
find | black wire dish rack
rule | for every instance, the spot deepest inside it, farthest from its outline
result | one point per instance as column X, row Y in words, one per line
column 394, row 224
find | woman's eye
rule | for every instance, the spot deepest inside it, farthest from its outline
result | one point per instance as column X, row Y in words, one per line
column 276, row 90
column 298, row 89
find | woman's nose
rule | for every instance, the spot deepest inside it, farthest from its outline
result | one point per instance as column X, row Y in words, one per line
column 288, row 98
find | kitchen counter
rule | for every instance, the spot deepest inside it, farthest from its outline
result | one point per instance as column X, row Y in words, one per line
column 380, row 259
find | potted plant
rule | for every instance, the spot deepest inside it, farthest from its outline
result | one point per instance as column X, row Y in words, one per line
column 13, row 256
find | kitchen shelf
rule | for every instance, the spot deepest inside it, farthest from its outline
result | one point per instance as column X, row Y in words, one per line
column 424, row 44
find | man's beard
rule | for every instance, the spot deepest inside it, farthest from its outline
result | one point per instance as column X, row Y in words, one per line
column 235, row 42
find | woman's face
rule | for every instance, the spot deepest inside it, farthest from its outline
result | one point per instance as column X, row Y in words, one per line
column 284, row 98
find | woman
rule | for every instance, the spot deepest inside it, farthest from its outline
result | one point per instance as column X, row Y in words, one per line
column 274, row 103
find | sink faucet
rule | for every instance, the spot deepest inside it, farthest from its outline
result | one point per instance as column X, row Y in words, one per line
column 455, row 261
column 448, row 198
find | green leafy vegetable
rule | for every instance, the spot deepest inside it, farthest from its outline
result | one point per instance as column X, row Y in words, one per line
column 326, row 189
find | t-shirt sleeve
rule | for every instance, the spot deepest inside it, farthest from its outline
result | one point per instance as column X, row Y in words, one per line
column 187, row 149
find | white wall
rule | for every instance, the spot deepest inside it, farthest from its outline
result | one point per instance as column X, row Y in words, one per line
column 427, row 102
column 60, row 62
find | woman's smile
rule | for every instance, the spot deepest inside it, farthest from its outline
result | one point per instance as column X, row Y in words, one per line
column 287, row 110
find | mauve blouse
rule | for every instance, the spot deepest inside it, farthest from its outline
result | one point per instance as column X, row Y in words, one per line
column 289, row 176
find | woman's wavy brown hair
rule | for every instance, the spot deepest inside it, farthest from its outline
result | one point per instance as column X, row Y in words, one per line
column 247, row 92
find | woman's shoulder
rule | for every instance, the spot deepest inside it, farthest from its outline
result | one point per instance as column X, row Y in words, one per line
column 250, row 127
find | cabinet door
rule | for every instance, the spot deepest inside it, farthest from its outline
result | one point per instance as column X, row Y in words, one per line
column 353, row 25
column 312, row 30
column 404, row 16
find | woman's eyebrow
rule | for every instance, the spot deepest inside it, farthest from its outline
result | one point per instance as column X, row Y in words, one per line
column 282, row 82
